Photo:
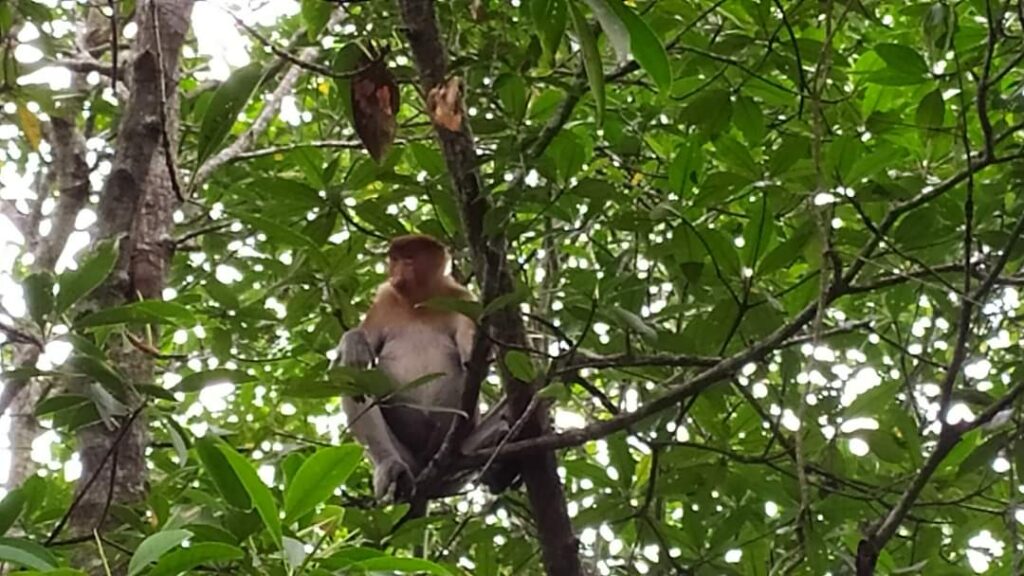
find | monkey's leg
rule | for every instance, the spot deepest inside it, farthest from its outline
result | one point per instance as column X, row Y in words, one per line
column 489, row 434
column 393, row 466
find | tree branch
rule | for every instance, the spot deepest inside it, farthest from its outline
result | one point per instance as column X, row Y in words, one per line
column 559, row 545
column 266, row 115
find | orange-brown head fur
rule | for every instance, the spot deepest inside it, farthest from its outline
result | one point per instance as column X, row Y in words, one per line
column 416, row 264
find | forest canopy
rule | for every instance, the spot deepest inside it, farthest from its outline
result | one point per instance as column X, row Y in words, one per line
column 749, row 272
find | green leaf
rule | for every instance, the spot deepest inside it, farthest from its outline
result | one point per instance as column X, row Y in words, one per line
column 511, row 90
column 373, row 382
column 146, row 312
column 99, row 371
column 711, row 110
column 902, row 58
column 154, row 547
column 550, row 17
column 629, row 320
column 613, row 26
column 198, row 554
column 317, row 478
column 931, row 114
column 737, row 156
column 222, row 474
column 39, row 296
column 469, row 308
column 647, row 48
column 749, row 118
column 515, row 297
column 77, row 284
column 11, row 508
column 199, row 380
column 26, row 554
column 286, row 235
column 938, row 26
column 591, row 58
column 315, row 13
column 520, row 365
column 685, row 167
column 904, row 66
column 261, row 496
column 401, row 565
column 569, row 154
column 294, row 552
column 227, row 102
column 785, row 254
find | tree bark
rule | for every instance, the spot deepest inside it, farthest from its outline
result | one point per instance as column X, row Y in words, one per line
column 136, row 208
column 69, row 171
column 560, row 549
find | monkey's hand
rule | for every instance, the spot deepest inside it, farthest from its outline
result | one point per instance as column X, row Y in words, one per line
column 354, row 350
column 393, row 480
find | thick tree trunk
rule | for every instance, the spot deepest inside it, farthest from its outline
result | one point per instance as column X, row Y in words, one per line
column 136, row 207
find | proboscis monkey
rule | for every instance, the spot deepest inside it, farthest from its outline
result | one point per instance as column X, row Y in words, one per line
column 408, row 341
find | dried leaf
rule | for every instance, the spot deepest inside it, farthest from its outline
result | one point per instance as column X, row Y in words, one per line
column 444, row 104
column 30, row 126
column 375, row 102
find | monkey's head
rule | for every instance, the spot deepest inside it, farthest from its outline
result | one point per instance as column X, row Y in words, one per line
column 416, row 266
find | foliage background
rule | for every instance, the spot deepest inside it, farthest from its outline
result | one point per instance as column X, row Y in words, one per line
column 676, row 211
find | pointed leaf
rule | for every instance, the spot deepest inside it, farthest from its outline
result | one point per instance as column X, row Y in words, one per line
column 11, row 508
column 199, row 554
column 222, row 474
column 401, row 565
column 77, row 284
column 199, row 380
column 39, row 296
column 591, row 58
column 317, row 478
column 227, row 102
column 613, row 26
column 154, row 547
column 647, row 48
column 315, row 13
column 26, row 554
column 257, row 490
column 520, row 365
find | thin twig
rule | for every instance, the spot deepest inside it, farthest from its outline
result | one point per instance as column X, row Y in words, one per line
column 292, row 58
column 165, row 137
column 115, row 32
column 96, row 474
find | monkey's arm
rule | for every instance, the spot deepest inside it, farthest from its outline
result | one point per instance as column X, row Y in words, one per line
column 465, row 329
column 392, row 474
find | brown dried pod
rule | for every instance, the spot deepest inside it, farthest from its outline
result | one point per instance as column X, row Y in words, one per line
column 375, row 101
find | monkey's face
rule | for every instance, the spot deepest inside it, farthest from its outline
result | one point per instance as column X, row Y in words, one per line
column 415, row 276
column 403, row 272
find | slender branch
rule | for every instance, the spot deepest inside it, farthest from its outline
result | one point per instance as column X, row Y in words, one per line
column 96, row 474
column 266, row 115
column 17, row 335
column 949, row 435
column 299, row 61
column 272, row 150
column 981, row 99
column 165, row 137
